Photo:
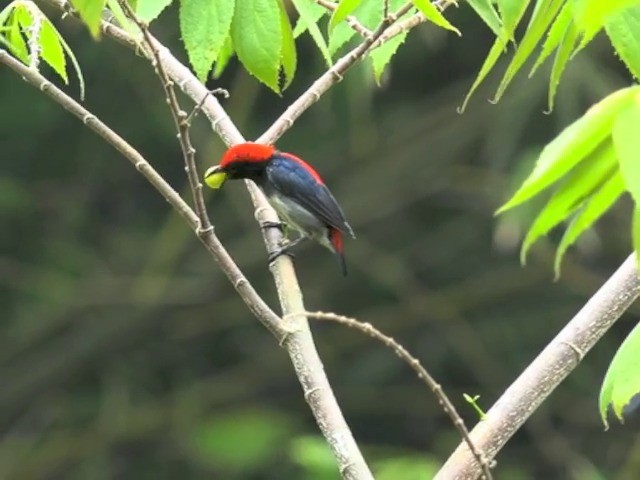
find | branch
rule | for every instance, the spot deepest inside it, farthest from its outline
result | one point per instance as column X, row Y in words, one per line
column 299, row 341
column 409, row 23
column 329, row 78
column 547, row 371
column 351, row 20
column 260, row 309
column 422, row 373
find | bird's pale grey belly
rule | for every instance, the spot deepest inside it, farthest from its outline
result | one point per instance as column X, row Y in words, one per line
column 300, row 219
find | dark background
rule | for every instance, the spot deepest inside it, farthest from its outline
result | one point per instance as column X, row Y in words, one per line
column 125, row 353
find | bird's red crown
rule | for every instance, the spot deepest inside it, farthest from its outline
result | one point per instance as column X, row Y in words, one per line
column 247, row 152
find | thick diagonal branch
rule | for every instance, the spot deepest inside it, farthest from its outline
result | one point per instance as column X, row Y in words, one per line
column 547, row 371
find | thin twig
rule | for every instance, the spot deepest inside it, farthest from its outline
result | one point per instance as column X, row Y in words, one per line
column 422, row 373
column 351, row 20
column 260, row 309
column 563, row 354
column 320, row 86
column 180, row 119
column 409, row 23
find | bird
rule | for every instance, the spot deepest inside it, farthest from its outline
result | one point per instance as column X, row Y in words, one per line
column 293, row 188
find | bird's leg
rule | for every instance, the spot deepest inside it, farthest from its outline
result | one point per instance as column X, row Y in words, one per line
column 284, row 249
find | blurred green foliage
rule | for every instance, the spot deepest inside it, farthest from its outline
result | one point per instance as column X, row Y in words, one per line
column 125, row 354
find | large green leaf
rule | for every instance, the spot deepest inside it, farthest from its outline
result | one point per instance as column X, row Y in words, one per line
column 581, row 182
column 486, row 11
column 205, row 25
column 620, row 391
column 589, row 213
column 572, row 146
column 345, row 8
column 626, row 138
column 434, row 15
column 257, row 39
column 52, row 51
column 91, row 13
column 623, row 29
column 309, row 19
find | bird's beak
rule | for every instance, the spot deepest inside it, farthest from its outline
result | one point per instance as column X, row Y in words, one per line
column 214, row 177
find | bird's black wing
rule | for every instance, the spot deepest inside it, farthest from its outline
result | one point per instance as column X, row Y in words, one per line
column 292, row 179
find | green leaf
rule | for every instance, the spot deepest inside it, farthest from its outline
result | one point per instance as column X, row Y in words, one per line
column 16, row 40
column 345, row 8
column 541, row 19
column 563, row 54
column 257, row 39
column 486, row 11
column 621, row 384
column 511, row 11
column 434, row 15
column 591, row 15
column 626, row 139
column 90, row 12
column 205, row 25
column 308, row 17
column 382, row 55
column 572, row 146
column 623, row 30
column 489, row 62
column 289, row 57
column 148, row 10
column 316, row 12
column 223, row 57
column 589, row 213
column 52, row 51
column 588, row 176
column 555, row 35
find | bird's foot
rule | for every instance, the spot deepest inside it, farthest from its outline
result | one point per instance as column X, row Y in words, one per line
column 274, row 254
column 267, row 224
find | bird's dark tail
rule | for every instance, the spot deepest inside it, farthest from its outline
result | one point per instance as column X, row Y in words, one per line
column 335, row 237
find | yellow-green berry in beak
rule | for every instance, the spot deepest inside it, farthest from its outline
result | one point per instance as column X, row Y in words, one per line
column 214, row 177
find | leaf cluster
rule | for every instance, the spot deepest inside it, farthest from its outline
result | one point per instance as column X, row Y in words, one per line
column 558, row 28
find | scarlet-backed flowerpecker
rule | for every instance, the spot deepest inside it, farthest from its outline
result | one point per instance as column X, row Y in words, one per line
column 293, row 188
